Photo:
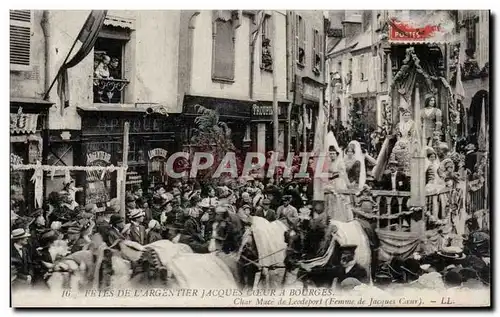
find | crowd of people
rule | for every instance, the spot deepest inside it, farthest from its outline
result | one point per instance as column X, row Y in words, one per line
column 182, row 212
column 186, row 211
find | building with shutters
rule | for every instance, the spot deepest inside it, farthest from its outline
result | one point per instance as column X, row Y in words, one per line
column 228, row 61
column 28, row 111
column 357, row 69
column 141, row 48
column 472, row 52
column 306, row 75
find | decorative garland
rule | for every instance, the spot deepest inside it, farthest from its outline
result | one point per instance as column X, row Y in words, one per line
column 389, row 217
column 110, row 168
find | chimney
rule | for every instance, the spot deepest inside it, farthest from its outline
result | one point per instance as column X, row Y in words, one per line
column 352, row 25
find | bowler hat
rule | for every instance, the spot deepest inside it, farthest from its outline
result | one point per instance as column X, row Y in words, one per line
column 348, row 248
column 115, row 219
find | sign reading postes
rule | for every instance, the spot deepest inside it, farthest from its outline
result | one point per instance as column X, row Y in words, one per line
column 157, row 152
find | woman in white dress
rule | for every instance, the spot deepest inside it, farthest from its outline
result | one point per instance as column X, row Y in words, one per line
column 434, row 182
column 355, row 165
column 336, row 205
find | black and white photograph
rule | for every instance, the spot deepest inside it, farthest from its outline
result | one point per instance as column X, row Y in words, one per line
column 250, row 158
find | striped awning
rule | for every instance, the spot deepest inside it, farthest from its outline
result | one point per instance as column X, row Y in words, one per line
column 25, row 123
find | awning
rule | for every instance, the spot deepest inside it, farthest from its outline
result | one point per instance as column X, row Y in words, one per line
column 121, row 22
column 24, row 123
column 227, row 108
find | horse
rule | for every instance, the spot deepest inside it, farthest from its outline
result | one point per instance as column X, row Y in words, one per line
column 317, row 270
column 176, row 266
column 97, row 267
column 262, row 253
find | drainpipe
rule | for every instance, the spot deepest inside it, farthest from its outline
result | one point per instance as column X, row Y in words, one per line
column 46, row 33
column 47, row 77
column 253, row 39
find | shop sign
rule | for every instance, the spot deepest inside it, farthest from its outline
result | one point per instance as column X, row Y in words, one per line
column 312, row 93
column 264, row 110
column 157, row 152
column 98, row 156
column 437, row 27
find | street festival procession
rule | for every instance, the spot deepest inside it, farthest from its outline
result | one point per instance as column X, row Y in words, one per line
column 212, row 157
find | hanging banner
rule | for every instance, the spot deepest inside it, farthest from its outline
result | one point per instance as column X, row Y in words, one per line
column 98, row 183
column 157, row 159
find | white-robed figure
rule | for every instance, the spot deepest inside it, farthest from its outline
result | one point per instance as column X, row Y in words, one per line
column 433, row 180
column 355, row 165
column 336, row 206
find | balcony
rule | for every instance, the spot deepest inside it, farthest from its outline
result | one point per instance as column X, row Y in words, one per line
column 108, row 90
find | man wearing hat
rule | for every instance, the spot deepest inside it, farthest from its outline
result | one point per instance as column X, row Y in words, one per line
column 42, row 259
column 245, row 211
column 348, row 267
column 116, row 225
column 395, row 180
column 20, row 256
column 137, row 230
column 265, row 211
column 102, row 221
column 288, row 213
column 471, row 157
column 193, row 232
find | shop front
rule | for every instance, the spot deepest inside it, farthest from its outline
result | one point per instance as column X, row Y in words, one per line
column 152, row 139
column 309, row 110
column 262, row 132
column 28, row 127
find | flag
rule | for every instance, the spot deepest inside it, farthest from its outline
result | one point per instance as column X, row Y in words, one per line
column 482, row 138
column 459, row 87
column 87, row 36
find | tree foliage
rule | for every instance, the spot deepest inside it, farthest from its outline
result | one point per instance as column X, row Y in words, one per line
column 212, row 136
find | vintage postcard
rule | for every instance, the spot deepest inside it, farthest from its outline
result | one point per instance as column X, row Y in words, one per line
column 250, row 158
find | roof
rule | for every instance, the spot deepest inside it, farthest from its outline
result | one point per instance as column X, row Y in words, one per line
column 360, row 41
column 363, row 39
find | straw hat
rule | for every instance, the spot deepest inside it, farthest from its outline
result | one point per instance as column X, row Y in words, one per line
column 454, row 253
column 19, row 233
column 136, row 213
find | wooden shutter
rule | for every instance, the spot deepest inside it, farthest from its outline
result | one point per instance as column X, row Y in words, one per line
column 322, row 49
column 314, row 49
column 223, row 51
column 297, row 37
column 20, row 39
column 304, row 38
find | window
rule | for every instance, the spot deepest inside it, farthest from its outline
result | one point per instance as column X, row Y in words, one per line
column 471, row 25
column 20, row 39
column 317, row 53
column 266, row 52
column 362, row 75
column 300, row 41
column 384, row 66
column 109, row 81
column 223, row 47
column 348, row 79
column 338, row 110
